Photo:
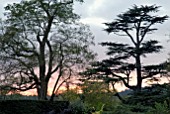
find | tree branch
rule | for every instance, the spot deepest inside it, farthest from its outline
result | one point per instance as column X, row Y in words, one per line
column 24, row 88
column 124, row 82
column 46, row 10
column 130, row 36
column 145, row 31
column 61, row 60
column 50, row 65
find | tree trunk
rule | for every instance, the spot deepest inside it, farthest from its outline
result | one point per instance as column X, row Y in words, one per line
column 138, row 72
column 42, row 91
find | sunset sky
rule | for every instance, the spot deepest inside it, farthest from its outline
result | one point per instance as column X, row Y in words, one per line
column 97, row 12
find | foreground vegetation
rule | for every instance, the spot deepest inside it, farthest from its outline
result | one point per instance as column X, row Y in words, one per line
column 151, row 100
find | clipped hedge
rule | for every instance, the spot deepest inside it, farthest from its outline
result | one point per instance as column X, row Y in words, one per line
column 31, row 106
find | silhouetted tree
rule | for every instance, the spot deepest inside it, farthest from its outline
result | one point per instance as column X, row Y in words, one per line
column 40, row 38
column 134, row 24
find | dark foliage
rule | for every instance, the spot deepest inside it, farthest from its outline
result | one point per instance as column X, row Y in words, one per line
column 31, row 106
column 149, row 95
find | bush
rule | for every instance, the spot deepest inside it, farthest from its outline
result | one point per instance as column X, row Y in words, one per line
column 144, row 101
column 160, row 109
column 78, row 107
column 149, row 95
column 122, row 109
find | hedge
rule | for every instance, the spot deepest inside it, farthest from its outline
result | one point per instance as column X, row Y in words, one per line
column 31, row 106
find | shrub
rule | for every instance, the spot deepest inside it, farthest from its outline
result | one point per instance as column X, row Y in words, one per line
column 149, row 95
column 160, row 109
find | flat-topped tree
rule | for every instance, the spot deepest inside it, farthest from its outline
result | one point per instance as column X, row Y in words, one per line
column 135, row 24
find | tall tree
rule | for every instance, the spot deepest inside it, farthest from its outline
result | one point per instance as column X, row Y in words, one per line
column 40, row 38
column 133, row 24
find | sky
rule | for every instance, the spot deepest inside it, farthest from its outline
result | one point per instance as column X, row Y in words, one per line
column 96, row 12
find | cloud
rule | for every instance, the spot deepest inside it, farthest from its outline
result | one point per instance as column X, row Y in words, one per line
column 97, row 21
column 95, row 6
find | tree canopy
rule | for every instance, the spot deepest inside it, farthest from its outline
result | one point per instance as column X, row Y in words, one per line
column 40, row 38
